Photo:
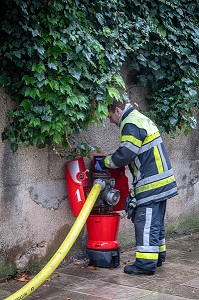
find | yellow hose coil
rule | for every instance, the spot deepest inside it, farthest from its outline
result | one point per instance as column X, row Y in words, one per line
column 58, row 257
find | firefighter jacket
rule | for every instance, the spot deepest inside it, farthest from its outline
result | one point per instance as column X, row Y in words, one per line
column 142, row 149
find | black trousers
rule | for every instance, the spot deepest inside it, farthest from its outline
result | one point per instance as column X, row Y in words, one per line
column 150, row 235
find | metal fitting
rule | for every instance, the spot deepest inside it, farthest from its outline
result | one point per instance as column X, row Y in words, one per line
column 100, row 182
column 110, row 196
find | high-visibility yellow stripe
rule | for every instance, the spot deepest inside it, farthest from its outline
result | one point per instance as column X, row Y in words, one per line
column 158, row 159
column 135, row 170
column 154, row 185
column 107, row 162
column 131, row 139
column 153, row 256
column 151, row 137
column 162, row 248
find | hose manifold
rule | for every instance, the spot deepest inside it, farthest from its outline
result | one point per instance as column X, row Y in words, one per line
column 108, row 194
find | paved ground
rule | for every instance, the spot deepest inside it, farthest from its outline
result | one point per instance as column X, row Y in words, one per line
column 177, row 279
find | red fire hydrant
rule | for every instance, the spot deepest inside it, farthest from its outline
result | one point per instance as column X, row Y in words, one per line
column 103, row 223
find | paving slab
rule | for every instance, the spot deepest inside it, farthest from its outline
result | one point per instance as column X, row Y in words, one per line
column 177, row 279
column 193, row 283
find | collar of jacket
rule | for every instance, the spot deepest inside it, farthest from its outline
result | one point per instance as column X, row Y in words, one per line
column 127, row 110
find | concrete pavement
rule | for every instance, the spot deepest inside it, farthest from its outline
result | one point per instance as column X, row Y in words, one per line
column 177, row 279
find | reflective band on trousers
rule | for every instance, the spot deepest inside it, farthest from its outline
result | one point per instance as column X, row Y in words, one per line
column 149, row 249
column 154, row 185
column 162, row 248
column 147, row 228
column 152, row 256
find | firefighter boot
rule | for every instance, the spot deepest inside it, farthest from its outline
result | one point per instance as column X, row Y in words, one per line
column 133, row 270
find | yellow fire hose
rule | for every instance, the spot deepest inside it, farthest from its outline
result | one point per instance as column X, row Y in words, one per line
column 55, row 261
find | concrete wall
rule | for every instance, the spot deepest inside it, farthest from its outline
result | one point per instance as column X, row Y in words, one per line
column 34, row 211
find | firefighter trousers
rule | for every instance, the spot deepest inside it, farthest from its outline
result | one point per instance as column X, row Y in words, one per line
column 150, row 235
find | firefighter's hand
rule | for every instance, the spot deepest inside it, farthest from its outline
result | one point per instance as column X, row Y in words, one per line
column 97, row 164
column 130, row 207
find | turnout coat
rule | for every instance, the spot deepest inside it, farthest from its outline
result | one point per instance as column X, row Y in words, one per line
column 142, row 149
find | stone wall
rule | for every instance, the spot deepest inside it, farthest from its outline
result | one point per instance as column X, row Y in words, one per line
column 34, row 212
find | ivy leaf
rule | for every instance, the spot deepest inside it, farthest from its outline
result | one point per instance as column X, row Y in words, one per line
column 173, row 121
column 81, row 116
column 32, row 92
column 113, row 92
column 45, row 127
column 192, row 92
column 82, row 146
column 38, row 109
column 72, row 100
column 119, row 80
column 100, row 18
column 159, row 74
column 4, row 80
column 78, row 48
column 152, row 64
column 141, row 57
column 28, row 79
column 35, row 32
column 14, row 147
column 52, row 66
column 186, row 131
column 40, row 67
column 75, row 72
column 35, row 121
column 46, row 118
column 187, row 80
column 17, row 53
column 57, row 138
column 192, row 58
column 6, row 26
column 41, row 50
column 26, row 104
column 54, row 84
column 162, row 31
column 180, row 11
column 196, row 40
column 194, row 123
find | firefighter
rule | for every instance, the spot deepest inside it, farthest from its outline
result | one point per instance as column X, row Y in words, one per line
column 142, row 149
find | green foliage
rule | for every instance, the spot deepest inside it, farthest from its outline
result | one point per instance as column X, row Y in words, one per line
column 7, row 270
column 168, row 62
column 182, row 225
column 60, row 61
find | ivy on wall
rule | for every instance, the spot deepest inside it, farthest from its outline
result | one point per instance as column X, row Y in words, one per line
column 60, row 62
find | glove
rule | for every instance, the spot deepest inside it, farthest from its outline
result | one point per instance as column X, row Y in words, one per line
column 97, row 164
column 130, row 207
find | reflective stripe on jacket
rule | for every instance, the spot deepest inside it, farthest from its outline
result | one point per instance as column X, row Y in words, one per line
column 142, row 149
